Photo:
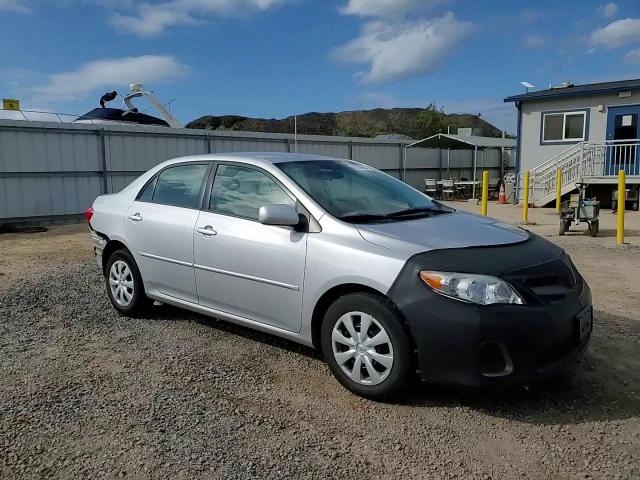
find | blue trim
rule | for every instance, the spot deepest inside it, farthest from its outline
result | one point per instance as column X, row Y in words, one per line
column 587, row 112
column 518, row 137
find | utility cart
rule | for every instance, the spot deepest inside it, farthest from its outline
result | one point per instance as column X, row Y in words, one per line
column 579, row 209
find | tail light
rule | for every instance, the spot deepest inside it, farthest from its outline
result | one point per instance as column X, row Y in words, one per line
column 88, row 213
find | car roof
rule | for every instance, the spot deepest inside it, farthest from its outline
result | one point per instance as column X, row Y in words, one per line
column 270, row 157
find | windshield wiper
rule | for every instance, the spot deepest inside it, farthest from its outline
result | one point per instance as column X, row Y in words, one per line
column 419, row 211
column 357, row 217
column 363, row 217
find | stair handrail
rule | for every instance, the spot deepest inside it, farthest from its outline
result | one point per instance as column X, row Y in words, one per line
column 555, row 159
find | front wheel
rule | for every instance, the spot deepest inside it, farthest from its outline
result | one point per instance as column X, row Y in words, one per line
column 124, row 285
column 366, row 347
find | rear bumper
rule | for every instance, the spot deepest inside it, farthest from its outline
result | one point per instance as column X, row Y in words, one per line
column 464, row 344
column 98, row 247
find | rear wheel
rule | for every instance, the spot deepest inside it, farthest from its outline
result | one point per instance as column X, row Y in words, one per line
column 562, row 228
column 366, row 347
column 124, row 285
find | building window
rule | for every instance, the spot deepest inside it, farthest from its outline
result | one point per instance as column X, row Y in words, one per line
column 563, row 126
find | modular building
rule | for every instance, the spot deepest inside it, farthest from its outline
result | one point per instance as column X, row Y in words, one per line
column 590, row 132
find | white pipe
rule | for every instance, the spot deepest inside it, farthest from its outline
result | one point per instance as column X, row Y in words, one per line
column 475, row 164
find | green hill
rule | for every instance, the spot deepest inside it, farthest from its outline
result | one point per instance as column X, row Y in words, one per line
column 414, row 122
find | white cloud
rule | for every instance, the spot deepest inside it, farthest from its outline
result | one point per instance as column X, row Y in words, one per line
column 386, row 8
column 111, row 73
column 535, row 41
column 633, row 56
column 609, row 9
column 620, row 32
column 16, row 6
column 153, row 18
column 403, row 49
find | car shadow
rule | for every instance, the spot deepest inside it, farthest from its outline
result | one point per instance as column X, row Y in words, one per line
column 604, row 385
column 174, row 313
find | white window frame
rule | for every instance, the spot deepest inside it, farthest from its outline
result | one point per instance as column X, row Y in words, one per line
column 564, row 124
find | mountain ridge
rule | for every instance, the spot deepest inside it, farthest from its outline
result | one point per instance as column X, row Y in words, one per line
column 413, row 122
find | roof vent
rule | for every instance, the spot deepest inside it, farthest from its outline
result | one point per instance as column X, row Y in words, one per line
column 566, row 84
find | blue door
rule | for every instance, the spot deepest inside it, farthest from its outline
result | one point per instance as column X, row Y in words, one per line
column 623, row 134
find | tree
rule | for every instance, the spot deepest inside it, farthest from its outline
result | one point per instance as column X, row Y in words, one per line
column 432, row 120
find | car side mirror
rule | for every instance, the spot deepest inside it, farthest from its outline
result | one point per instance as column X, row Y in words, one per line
column 282, row 215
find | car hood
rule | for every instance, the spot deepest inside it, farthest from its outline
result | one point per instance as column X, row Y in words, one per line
column 454, row 230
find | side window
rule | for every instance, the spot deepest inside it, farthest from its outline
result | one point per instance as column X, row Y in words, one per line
column 241, row 191
column 180, row 186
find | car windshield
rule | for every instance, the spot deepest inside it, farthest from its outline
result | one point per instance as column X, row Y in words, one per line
column 356, row 193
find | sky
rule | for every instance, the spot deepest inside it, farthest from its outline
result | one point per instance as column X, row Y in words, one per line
column 275, row 58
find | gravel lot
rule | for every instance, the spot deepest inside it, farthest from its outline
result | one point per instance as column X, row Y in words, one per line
column 85, row 393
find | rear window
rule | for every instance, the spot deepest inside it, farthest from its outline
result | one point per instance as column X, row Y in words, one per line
column 179, row 186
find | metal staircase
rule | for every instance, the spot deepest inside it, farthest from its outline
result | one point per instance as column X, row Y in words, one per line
column 583, row 159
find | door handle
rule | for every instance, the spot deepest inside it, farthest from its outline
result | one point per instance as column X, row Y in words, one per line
column 207, row 231
column 136, row 217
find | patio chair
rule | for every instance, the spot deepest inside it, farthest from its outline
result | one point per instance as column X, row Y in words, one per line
column 449, row 190
column 431, row 187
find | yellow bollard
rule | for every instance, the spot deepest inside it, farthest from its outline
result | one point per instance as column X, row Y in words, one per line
column 485, row 192
column 525, row 208
column 621, row 201
column 558, row 190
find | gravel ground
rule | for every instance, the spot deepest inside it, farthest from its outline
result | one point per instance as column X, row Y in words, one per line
column 85, row 393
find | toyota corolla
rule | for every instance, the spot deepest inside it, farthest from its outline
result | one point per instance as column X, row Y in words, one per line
column 383, row 280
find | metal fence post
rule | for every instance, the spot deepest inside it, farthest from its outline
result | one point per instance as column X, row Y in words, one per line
column 103, row 166
column 403, row 160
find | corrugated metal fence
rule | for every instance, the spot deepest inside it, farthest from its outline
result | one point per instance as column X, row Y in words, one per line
column 50, row 170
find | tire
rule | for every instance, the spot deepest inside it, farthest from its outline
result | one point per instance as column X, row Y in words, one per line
column 614, row 204
column 593, row 228
column 635, row 206
column 562, row 228
column 123, row 272
column 391, row 359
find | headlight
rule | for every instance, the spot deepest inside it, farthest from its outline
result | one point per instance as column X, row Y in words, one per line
column 480, row 289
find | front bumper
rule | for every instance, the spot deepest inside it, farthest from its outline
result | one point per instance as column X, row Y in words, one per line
column 467, row 344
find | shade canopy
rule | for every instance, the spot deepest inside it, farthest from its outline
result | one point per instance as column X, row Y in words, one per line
column 463, row 142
